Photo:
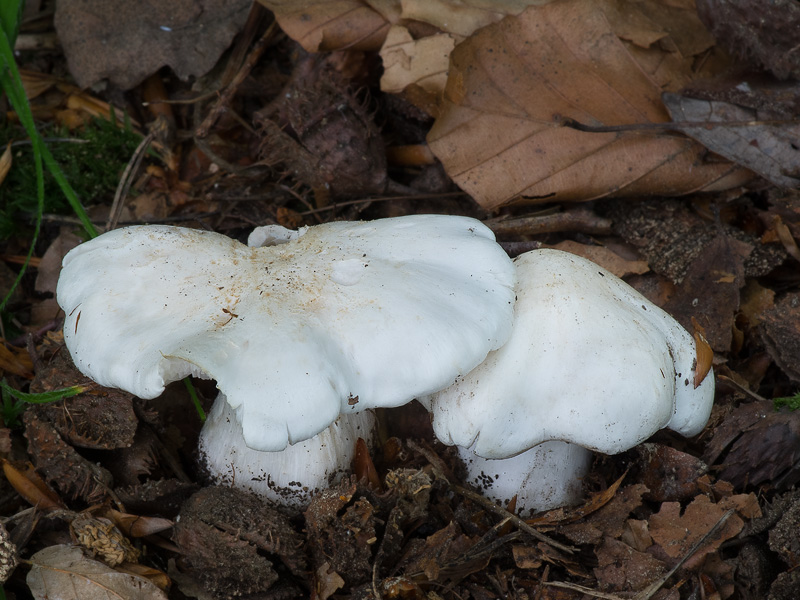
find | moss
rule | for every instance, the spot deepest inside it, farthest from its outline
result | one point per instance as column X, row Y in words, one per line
column 92, row 159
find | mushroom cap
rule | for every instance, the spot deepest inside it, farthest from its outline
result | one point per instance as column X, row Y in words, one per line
column 590, row 361
column 344, row 317
column 289, row 477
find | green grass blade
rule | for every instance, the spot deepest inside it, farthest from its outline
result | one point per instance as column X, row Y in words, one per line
column 42, row 397
column 10, row 17
column 12, row 84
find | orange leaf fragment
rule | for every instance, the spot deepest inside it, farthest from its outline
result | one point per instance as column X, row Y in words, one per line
column 705, row 355
column 363, row 467
column 27, row 483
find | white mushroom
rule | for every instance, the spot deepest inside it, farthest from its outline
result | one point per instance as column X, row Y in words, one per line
column 291, row 476
column 336, row 318
column 590, row 362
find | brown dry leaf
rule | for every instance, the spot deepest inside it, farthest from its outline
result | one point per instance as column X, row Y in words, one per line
column 157, row 577
column 569, row 515
column 763, row 446
column 755, row 301
column 710, row 290
column 500, row 134
column 669, row 474
column 50, row 264
column 676, row 533
column 422, row 63
column 605, row 257
column 768, row 149
column 526, row 557
column 621, row 568
column 24, row 479
column 35, row 83
column 64, row 573
column 136, row 525
column 608, row 521
column 326, row 582
column 128, row 41
column 324, row 25
column 780, row 332
column 15, row 361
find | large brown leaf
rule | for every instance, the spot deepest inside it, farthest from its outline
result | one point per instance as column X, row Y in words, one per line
column 64, row 573
column 500, row 134
column 127, row 41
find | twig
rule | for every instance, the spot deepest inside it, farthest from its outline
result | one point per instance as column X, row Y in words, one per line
column 126, row 181
column 741, row 388
column 438, row 471
column 382, row 199
column 648, row 592
column 574, row 220
column 679, row 126
column 225, row 97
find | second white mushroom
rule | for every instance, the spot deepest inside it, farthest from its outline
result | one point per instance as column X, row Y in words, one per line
column 590, row 362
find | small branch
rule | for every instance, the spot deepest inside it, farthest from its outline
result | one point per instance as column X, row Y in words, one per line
column 125, row 182
column 584, row 221
column 226, row 96
column 679, row 126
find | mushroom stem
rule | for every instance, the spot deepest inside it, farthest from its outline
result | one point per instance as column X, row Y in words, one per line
column 291, row 476
column 546, row 476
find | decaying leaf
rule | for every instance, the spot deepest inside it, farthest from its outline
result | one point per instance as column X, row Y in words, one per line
column 710, row 291
column 760, row 446
column 622, row 568
column 64, row 573
column 677, row 531
column 605, row 257
column 27, row 483
column 127, row 42
column 780, row 332
column 735, row 132
column 764, row 34
column 421, row 63
column 322, row 25
column 669, row 474
column 501, row 133
column 608, row 520
column 16, row 361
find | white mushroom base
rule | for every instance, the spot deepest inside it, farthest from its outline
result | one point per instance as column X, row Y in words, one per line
column 545, row 477
column 289, row 477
